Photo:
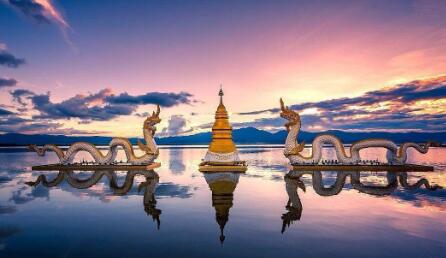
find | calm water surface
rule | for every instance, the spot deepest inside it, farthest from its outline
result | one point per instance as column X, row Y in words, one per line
column 178, row 211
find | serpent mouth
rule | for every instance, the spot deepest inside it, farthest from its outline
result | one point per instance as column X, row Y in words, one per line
column 285, row 116
column 152, row 122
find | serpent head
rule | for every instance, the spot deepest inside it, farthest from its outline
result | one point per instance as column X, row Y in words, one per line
column 152, row 120
column 290, row 115
column 149, row 124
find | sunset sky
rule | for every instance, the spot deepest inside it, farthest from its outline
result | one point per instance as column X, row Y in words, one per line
column 97, row 67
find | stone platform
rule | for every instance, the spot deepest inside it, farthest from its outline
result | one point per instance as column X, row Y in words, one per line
column 383, row 167
column 222, row 167
column 82, row 167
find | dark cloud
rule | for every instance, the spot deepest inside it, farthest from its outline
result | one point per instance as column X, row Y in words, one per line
column 100, row 106
column 5, row 179
column 31, row 9
column 9, row 60
column 4, row 112
column 388, row 108
column 79, row 106
column 5, row 209
column 84, row 122
column 143, row 114
column 160, row 98
column 43, row 12
column 16, row 124
column 20, row 95
column 7, row 82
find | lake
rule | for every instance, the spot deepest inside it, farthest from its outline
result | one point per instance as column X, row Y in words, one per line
column 178, row 211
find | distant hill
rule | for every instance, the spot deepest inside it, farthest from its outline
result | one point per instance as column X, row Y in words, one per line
column 250, row 135
column 247, row 135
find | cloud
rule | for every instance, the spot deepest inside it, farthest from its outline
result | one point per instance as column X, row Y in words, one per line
column 176, row 126
column 415, row 106
column 4, row 112
column 163, row 99
column 7, row 82
column 12, row 123
column 7, row 209
column 9, row 60
column 91, row 107
column 40, row 11
column 100, row 106
column 20, row 95
column 103, row 105
column 44, row 11
column 276, row 122
column 143, row 114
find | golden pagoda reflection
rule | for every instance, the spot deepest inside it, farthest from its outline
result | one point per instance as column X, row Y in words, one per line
column 222, row 154
column 222, row 186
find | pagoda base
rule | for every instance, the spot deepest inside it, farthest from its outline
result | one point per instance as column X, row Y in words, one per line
column 236, row 167
column 214, row 157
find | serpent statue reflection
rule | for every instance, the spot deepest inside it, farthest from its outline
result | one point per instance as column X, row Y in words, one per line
column 293, row 181
column 149, row 185
column 222, row 185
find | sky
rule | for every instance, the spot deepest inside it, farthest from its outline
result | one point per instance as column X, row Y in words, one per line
column 100, row 67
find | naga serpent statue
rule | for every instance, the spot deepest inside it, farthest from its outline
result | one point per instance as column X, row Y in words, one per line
column 395, row 154
column 150, row 149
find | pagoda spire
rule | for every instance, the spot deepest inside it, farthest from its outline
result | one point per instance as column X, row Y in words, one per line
column 221, row 94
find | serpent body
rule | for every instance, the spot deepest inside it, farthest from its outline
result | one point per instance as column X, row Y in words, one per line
column 395, row 154
column 150, row 148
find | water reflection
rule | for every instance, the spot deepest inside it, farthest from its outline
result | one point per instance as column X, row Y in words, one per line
column 176, row 163
column 408, row 222
column 222, row 186
column 294, row 204
column 6, row 232
column 384, row 184
column 72, row 178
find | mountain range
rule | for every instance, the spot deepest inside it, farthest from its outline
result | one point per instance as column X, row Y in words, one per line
column 248, row 135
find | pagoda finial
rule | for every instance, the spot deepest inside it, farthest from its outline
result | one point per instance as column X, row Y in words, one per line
column 220, row 93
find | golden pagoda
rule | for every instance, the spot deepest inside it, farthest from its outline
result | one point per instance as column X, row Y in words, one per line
column 222, row 186
column 222, row 154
